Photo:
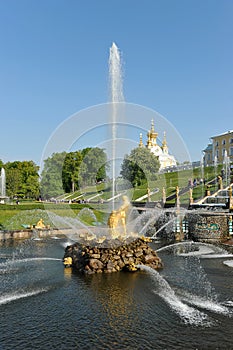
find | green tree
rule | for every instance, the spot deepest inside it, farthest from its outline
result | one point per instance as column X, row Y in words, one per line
column 51, row 184
column 30, row 178
column 139, row 166
column 22, row 179
column 13, row 182
column 70, row 171
column 1, row 164
column 63, row 172
column 93, row 167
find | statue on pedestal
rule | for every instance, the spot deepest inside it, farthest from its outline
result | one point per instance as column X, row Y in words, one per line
column 190, row 196
column 220, row 186
column 117, row 219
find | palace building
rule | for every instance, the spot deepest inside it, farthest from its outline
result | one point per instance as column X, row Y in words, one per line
column 166, row 160
column 221, row 146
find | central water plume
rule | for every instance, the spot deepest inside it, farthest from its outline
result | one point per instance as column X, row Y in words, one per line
column 116, row 96
column 115, row 75
column 2, row 183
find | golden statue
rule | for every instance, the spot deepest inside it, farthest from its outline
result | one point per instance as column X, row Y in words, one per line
column 68, row 261
column 220, row 187
column 177, row 197
column 230, row 192
column 230, row 199
column 40, row 224
column 164, row 195
column 117, row 219
column 112, row 220
column 190, row 196
column 148, row 194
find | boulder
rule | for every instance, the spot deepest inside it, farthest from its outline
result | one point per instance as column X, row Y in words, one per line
column 98, row 260
column 95, row 264
column 95, row 256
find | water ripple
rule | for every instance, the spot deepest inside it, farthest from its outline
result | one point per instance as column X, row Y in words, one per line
column 5, row 299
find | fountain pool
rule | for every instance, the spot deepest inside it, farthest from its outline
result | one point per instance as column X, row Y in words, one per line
column 188, row 305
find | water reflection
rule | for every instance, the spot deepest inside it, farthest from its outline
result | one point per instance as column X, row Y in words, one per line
column 115, row 295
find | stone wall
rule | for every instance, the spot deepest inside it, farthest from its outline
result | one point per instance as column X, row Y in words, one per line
column 192, row 224
column 126, row 257
column 208, row 226
column 18, row 234
column 30, row 233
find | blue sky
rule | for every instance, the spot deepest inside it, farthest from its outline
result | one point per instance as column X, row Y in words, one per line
column 177, row 60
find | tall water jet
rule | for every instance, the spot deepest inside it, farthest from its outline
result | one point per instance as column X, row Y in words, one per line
column 116, row 96
column 2, row 184
column 215, row 167
column 202, row 175
column 226, row 162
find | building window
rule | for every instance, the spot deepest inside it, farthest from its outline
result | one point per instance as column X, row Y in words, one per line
column 224, row 142
column 231, row 140
column 217, row 153
column 216, row 143
column 223, row 152
column 231, row 151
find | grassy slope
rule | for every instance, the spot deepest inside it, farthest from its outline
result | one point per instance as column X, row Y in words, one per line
column 11, row 216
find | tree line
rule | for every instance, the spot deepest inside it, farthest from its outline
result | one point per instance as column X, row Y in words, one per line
column 62, row 172
column 22, row 179
column 69, row 171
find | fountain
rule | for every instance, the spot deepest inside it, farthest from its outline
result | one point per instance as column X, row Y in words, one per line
column 226, row 162
column 202, row 175
column 116, row 92
column 118, row 249
column 187, row 305
column 3, row 186
column 118, row 240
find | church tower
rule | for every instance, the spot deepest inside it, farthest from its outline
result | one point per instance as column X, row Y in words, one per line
column 152, row 140
column 140, row 141
column 152, row 136
column 164, row 144
column 166, row 160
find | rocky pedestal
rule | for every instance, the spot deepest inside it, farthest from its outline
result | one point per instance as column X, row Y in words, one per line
column 106, row 260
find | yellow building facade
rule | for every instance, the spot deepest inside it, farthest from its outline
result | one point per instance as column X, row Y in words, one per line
column 221, row 147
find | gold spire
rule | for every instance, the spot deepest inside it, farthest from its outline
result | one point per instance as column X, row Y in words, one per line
column 164, row 139
column 149, row 143
column 164, row 144
column 152, row 135
column 140, row 141
column 152, row 125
